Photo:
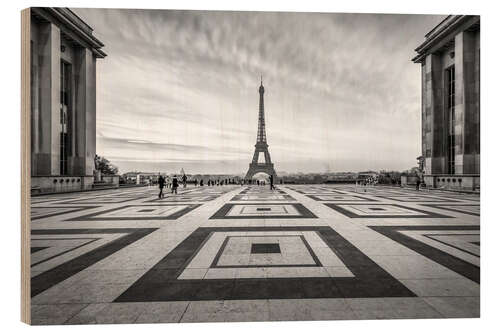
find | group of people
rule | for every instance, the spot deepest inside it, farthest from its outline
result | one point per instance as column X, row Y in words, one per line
column 174, row 183
column 162, row 182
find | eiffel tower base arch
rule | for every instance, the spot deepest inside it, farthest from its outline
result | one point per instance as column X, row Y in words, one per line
column 261, row 167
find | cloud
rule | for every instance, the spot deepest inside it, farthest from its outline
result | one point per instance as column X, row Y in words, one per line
column 338, row 86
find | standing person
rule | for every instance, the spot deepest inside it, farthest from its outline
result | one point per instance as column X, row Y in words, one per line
column 161, row 184
column 271, row 182
column 184, row 180
column 175, row 184
column 418, row 183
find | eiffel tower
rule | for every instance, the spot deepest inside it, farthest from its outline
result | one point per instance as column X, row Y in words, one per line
column 261, row 146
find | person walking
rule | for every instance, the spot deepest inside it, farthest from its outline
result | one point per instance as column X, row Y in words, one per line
column 175, row 184
column 161, row 184
column 184, row 180
column 271, row 182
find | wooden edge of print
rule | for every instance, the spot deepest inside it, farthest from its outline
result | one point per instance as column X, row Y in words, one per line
column 25, row 166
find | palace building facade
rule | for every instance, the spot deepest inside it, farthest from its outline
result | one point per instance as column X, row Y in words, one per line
column 450, row 62
column 63, row 56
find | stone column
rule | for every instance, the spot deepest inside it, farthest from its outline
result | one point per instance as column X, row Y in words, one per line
column 460, row 79
column 434, row 110
column 466, row 101
column 85, row 113
column 49, row 126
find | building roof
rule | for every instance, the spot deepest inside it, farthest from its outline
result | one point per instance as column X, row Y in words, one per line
column 443, row 34
column 72, row 27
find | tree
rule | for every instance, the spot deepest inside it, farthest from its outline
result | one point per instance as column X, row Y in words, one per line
column 105, row 166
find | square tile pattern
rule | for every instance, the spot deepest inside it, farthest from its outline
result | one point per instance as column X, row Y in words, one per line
column 263, row 210
column 183, row 274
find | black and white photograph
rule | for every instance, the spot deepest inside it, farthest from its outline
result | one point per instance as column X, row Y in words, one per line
column 246, row 166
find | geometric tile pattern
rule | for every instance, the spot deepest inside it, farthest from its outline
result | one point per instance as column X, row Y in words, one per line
column 167, row 280
column 455, row 247
column 262, row 210
column 101, row 200
column 471, row 209
column 416, row 198
column 38, row 212
column 140, row 212
column 250, row 253
column 381, row 211
column 185, row 198
column 59, row 271
column 263, row 197
column 339, row 197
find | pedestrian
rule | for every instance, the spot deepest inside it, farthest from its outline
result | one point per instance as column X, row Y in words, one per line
column 184, row 180
column 175, row 184
column 161, row 184
column 271, row 182
column 201, row 182
column 418, row 183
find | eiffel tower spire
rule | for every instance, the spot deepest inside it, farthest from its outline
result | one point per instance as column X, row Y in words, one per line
column 261, row 131
column 261, row 146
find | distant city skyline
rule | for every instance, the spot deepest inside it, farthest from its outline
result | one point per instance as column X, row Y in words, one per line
column 179, row 89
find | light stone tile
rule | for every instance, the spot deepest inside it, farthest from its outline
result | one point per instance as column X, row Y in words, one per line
column 193, row 273
column 443, row 287
column 414, row 267
column 339, row 271
column 455, row 307
column 54, row 314
column 221, row 273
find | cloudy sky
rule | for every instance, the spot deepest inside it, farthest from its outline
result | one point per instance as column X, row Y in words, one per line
column 180, row 89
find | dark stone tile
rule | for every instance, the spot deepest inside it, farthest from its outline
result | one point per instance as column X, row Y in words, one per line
column 265, row 248
column 35, row 249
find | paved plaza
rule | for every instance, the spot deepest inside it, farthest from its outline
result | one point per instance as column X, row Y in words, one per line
column 245, row 253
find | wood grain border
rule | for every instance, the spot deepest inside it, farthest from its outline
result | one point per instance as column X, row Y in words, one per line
column 25, row 165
